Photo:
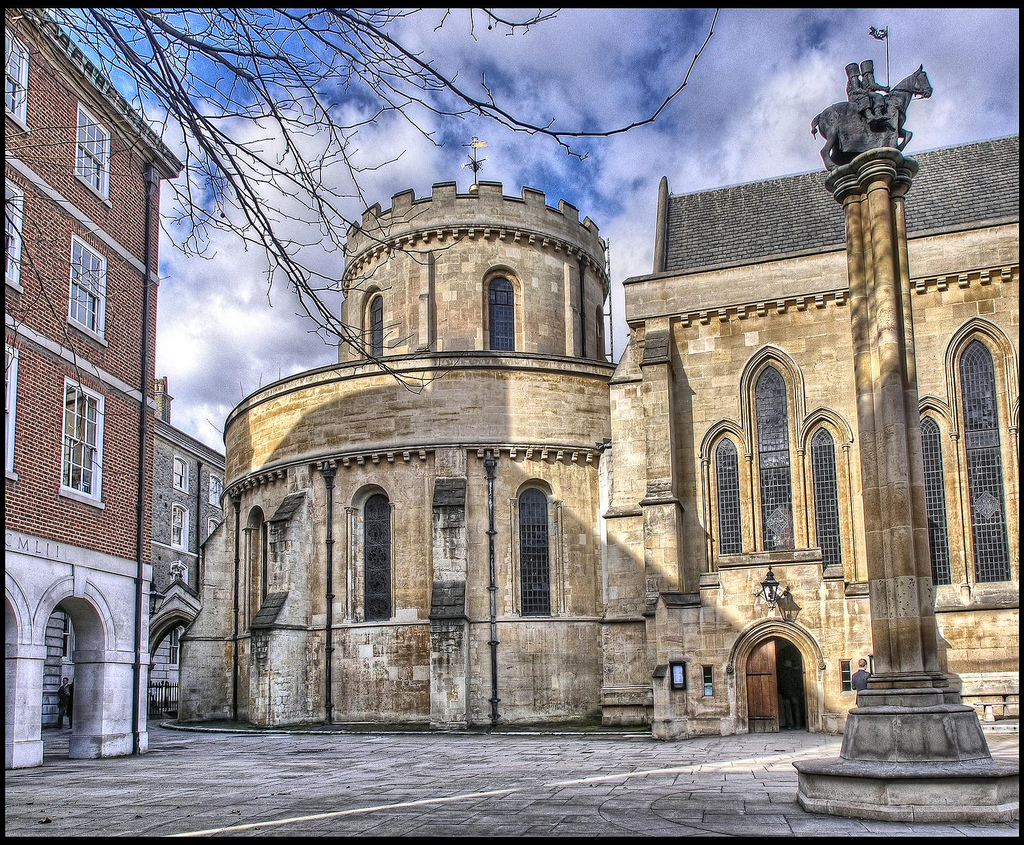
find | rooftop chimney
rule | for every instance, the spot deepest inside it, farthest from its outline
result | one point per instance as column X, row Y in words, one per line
column 163, row 399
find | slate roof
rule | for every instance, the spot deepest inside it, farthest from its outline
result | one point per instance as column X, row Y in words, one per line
column 269, row 611
column 288, row 506
column 956, row 187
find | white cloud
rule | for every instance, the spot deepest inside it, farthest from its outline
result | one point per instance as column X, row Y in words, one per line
column 744, row 115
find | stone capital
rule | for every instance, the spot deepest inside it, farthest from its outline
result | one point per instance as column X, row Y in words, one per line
column 885, row 167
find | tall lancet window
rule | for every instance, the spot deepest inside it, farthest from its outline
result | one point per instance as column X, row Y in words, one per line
column 377, row 558
column 984, row 464
column 935, row 501
column 377, row 326
column 501, row 313
column 533, row 553
column 826, row 498
column 773, row 460
column 730, row 535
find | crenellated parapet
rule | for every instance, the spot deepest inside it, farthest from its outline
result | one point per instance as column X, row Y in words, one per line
column 427, row 266
column 487, row 214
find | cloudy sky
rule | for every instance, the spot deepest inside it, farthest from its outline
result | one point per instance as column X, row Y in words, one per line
column 744, row 115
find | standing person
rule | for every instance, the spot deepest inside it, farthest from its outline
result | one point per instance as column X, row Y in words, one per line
column 860, row 678
column 71, row 701
column 64, row 693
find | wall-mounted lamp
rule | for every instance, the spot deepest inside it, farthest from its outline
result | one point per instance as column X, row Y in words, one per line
column 770, row 589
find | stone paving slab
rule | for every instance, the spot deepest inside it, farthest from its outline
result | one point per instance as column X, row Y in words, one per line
column 419, row 784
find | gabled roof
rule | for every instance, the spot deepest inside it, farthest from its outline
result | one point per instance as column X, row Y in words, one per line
column 959, row 187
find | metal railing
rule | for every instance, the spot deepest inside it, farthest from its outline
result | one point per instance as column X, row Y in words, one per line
column 163, row 698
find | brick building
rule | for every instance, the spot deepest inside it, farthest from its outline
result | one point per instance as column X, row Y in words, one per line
column 82, row 176
column 537, row 535
column 188, row 483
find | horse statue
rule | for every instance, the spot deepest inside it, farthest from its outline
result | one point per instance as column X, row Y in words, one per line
column 848, row 133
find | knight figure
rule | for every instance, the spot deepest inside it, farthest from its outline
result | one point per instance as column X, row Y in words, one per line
column 862, row 91
column 873, row 117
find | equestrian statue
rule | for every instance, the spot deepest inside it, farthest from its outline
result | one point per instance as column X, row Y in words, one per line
column 873, row 116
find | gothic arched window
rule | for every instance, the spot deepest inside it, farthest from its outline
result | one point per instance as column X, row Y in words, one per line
column 773, row 460
column 377, row 558
column 826, row 498
column 377, row 326
column 935, row 501
column 730, row 536
column 534, row 568
column 984, row 464
column 501, row 314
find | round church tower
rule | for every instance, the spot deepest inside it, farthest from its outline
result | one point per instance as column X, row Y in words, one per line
column 431, row 501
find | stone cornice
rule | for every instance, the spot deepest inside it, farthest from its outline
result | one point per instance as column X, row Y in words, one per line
column 966, row 279
column 570, row 455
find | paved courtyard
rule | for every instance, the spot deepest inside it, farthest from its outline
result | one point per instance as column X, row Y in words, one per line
column 422, row 784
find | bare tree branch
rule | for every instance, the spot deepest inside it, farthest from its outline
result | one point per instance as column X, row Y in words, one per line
column 268, row 106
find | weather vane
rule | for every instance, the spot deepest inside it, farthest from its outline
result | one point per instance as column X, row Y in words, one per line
column 474, row 163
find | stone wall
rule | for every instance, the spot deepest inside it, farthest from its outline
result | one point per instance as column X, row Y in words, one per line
column 724, row 325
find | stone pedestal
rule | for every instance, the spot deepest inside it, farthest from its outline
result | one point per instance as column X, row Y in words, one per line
column 911, row 751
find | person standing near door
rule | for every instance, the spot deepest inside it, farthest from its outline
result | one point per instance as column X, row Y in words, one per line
column 860, row 678
column 64, row 702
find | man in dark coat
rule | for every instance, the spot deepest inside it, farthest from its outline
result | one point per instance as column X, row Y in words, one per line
column 64, row 702
column 860, row 678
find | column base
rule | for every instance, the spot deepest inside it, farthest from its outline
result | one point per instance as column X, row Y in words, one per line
column 91, row 747
column 977, row 790
column 22, row 754
column 909, row 756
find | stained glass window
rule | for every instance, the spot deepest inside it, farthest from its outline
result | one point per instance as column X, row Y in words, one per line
column 501, row 310
column 935, row 501
column 730, row 540
column 984, row 464
column 826, row 500
column 533, row 553
column 377, row 555
column 773, row 458
column 377, row 327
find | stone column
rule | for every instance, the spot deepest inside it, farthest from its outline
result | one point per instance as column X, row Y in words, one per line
column 911, row 751
column 449, row 622
column 903, row 618
column 23, row 703
column 661, row 508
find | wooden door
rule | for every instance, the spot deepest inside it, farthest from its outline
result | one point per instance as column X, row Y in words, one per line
column 762, row 690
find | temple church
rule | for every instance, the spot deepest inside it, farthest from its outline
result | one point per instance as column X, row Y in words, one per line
column 482, row 521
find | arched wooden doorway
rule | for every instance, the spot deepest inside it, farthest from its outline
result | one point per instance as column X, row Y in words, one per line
column 776, row 697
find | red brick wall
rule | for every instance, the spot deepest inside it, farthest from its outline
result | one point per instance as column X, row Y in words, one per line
column 32, row 502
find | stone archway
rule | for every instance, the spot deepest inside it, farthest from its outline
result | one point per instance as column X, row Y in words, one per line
column 761, row 703
column 776, row 689
column 102, row 686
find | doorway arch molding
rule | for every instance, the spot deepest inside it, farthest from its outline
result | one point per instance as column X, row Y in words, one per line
column 813, row 658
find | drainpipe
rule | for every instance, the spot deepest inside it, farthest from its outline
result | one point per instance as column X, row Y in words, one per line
column 236, row 500
column 199, row 512
column 152, row 181
column 490, row 462
column 328, row 473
